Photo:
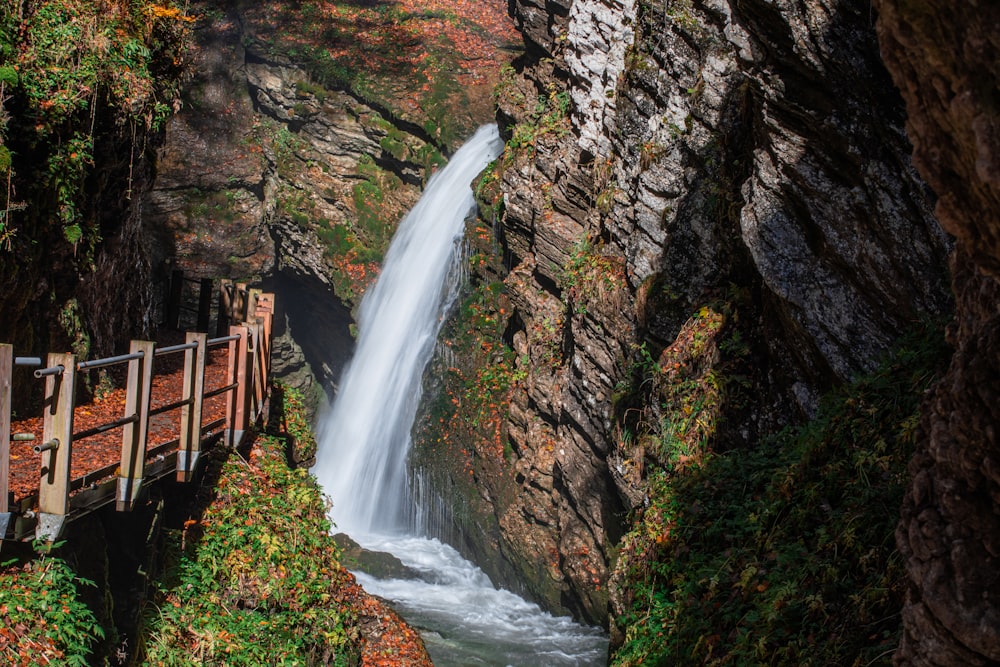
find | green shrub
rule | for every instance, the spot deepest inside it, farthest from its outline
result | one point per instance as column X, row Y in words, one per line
column 254, row 580
column 42, row 618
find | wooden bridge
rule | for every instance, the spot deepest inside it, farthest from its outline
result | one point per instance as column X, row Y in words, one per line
column 176, row 401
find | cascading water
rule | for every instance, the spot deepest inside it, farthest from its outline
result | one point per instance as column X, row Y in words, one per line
column 365, row 438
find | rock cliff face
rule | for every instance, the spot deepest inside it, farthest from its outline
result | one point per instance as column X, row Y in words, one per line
column 662, row 156
column 306, row 133
column 76, row 138
column 257, row 182
column 946, row 61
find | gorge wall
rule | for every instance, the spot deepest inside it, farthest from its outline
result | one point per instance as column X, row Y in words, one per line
column 76, row 143
column 702, row 203
column 253, row 171
column 703, row 183
column 945, row 62
column 299, row 146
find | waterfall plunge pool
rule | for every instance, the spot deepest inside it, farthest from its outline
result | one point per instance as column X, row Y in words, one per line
column 465, row 621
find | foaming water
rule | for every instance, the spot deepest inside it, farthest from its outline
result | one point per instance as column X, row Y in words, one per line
column 365, row 438
column 466, row 621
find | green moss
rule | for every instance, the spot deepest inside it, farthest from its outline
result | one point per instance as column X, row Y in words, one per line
column 430, row 158
column 286, row 144
column 305, row 88
column 212, row 206
column 71, row 322
column 8, row 76
column 289, row 406
column 336, row 238
column 374, row 224
column 467, row 413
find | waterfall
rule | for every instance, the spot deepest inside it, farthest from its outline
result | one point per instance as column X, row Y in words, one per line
column 364, row 439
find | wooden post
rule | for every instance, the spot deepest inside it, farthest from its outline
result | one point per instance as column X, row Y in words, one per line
column 257, row 374
column 135, row 434
column 237, row 401
column 173, row 305
column 194, row 390
column 232, row 372
column 6, row 368
column 225, row 307
column 252, row 296
column 204, row 304
column 53, row 489
column 265, row 314
column 240, row 303
column 253, row 339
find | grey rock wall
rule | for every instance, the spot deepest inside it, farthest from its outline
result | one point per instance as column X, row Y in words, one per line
column 944, row 58
column 711, row 145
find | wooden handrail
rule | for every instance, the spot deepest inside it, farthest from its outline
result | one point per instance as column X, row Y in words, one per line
column 249, row 347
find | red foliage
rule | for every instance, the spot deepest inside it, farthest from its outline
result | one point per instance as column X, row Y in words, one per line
column 388, row 640
column 104, row 449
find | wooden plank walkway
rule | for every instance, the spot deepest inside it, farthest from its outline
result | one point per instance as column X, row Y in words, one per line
column 168, row 402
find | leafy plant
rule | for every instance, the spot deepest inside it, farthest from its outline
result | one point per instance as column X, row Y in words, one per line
column 783, row 553
column 549, row 116
column 42, row 617
column 591, row 275
column 255, row 579
column 292, row 421
column 63, row 64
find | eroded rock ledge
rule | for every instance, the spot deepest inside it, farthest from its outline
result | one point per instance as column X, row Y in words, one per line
column 259, row 173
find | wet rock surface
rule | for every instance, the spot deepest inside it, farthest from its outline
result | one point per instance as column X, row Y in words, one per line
column 378, row 564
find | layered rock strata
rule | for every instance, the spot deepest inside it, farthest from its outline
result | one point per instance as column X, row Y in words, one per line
column 257, row 174
column 709, row 147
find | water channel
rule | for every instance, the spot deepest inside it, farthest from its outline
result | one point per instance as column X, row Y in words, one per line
column 364, row 440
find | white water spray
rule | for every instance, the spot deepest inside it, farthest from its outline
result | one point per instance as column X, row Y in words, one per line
column 364, row 441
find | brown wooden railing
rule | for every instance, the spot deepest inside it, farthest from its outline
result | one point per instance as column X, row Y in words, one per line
column 60, row 498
